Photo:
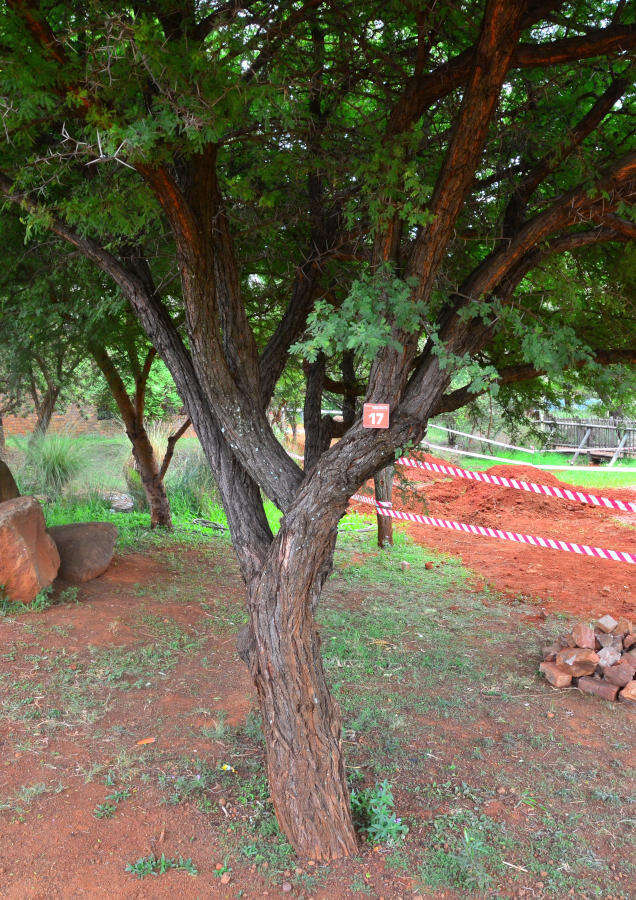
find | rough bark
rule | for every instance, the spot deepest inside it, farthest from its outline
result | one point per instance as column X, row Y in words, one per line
column 3, row 440
column 224, row 391
column 154, row 487
column 317, row 431
column 301, row 721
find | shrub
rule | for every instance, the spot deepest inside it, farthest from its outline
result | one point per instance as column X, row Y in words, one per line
column 373, row 814
column 52, row 461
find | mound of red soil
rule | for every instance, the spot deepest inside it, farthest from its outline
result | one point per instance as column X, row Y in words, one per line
column 525, row 473
column 558, row 579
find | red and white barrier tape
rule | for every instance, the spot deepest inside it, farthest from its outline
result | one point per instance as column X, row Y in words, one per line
column 532, row 539
column 547, row 490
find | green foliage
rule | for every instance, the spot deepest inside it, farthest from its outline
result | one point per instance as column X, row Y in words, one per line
column 41, row 602
column 107, row 809
column 191, row 783
column 159, row 865
column 52, row 461
column 376, row 303
column 373, row 814
column 465, row 850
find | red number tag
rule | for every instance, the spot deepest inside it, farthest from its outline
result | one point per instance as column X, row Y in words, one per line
column 375, row 415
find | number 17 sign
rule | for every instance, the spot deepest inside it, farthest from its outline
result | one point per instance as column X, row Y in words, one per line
column 375, row 415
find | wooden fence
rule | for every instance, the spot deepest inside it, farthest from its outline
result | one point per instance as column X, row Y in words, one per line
column 593, row 434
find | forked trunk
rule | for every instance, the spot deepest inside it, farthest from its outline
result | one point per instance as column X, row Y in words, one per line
column 301, row 721
column 154, row 488
column 44, row 410
column 383, row 482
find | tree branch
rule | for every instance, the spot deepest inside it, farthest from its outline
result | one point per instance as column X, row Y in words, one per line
column 172, row 440
column 552, row 161
column 423, row 91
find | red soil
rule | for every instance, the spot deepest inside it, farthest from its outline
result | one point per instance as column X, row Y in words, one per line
column 562, row 581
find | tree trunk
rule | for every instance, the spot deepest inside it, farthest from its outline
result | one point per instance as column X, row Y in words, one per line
column 8, row 487
column 3, row 441
column 44, row 410
column 133, row 416
column 383, row 481
column 301, row 722
column 154, row 488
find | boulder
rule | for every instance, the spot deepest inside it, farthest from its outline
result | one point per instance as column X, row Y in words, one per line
column 29, row 560
column 8, row 487
column 578, row 661
column 86, row 549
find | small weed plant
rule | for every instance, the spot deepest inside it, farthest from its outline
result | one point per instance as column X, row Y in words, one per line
column 373, row 814
column 159, row 865
column 107, row 809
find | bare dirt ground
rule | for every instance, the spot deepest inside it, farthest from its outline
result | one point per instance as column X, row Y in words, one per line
column 128, row 729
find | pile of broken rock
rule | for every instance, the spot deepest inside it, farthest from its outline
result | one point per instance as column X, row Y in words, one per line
column 599, row 659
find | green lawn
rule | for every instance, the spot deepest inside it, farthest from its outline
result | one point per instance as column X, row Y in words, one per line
column 595, row 476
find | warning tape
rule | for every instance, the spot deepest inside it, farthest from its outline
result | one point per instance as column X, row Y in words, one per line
column 531, row 487
column 532, row 539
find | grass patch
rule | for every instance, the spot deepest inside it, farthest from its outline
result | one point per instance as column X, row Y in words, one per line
column 159, row 865
column 594, row 476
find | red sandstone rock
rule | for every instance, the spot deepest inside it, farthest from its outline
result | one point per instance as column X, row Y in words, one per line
column 607, row 624
column 629, row 692
column 556, row 674
column 609, row 655
column 583, row 636
column 579, row 661
column 623, row 626
column 598, row 687
column 550, row 652
column 620, row 674
column 28, row 556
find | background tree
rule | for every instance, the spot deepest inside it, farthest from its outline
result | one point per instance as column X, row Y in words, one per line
column 417, row 163
column 60, row 311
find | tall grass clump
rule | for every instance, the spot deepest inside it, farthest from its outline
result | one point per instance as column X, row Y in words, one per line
column 190, row 485
column 52, row 461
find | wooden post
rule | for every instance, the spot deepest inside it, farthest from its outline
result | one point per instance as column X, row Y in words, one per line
column 618, row 449
column 581, row 445
column 383, row 482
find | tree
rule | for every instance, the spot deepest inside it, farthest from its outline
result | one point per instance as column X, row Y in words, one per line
column 60, row 311
column 393, row 171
